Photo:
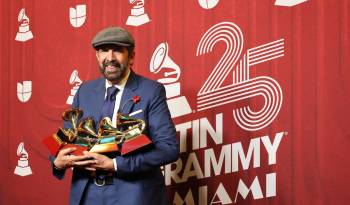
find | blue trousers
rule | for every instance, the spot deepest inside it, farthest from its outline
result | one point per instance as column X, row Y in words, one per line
column 102, row 195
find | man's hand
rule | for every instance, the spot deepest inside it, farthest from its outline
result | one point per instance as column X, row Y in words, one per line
column 66, row 160
column 102, row 162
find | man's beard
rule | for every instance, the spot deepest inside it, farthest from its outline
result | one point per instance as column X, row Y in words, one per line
column 113, row 71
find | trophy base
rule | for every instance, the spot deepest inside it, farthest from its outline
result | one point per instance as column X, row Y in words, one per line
column 24, row 36
column 70, row 100
column 23, row 171
column 137, row 20
column 79, row 149
column 134, row 144
column 52, row 144
column 172, row 90
column 178, row 106
column 288, row 2
column 105, row 148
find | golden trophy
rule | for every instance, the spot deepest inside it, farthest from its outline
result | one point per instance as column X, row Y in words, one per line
column 125, row 138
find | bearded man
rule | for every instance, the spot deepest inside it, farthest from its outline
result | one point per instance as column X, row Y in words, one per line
column 131, row 179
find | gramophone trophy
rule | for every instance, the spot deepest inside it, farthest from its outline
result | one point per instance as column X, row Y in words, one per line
column 24, row 33
column 125, row 138
column 75, row 81
column 160, row 61
column 138, row 15
column 22, row 168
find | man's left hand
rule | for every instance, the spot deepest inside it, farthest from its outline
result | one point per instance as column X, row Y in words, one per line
column 102, row 162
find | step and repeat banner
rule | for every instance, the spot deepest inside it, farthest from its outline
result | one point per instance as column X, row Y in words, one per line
column 258, row 90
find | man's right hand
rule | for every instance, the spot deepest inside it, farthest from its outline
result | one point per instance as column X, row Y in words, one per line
column 66, row 160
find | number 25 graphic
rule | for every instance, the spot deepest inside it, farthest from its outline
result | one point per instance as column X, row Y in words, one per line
column 213, row 94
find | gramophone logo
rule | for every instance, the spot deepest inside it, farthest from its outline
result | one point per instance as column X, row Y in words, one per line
column 138, row 15
column 75, row 81
column 288, row 2
column 77, row 15
column 22, row 168
column 24, row 33
column 208, row 4
column 177, row 104
column 24, row 91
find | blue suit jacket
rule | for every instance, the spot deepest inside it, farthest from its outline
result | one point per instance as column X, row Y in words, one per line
column 138, row 175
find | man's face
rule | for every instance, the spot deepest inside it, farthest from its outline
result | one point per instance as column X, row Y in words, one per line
column 114, row 62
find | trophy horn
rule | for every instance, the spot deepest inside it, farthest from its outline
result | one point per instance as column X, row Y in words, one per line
column 72, row 115
column 74, row 78
column 87, row 128
column 125, row 122
column 66, row 136
column 160, row 60
column 106, row 128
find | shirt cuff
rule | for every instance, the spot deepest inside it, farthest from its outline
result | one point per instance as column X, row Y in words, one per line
column 115, row 164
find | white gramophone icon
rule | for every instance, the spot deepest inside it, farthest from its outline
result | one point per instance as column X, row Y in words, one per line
column 22, row 168
column 177, row 104
column 76, row 82
column 288, row 2
column 138, row 15
column 23, row 33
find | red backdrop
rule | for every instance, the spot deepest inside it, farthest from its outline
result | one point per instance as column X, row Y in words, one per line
column 259, row 93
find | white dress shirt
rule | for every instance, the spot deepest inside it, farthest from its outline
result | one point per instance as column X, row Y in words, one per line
column 118, row 98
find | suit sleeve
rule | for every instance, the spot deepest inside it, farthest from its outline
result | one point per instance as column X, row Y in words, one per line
column 163, row 134
column 58, row 173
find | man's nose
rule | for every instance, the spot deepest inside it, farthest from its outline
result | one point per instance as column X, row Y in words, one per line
column 110, row 55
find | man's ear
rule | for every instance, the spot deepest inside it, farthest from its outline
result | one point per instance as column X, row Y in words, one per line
column 97, row 55
column 131, row 58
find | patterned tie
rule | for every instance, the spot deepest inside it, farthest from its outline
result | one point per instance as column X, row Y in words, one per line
column 107, row 111
column 108, row 105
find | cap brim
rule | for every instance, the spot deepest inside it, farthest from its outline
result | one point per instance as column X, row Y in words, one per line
column 95, row 45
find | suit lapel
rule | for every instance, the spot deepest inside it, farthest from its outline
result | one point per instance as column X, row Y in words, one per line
column 126, row 103
column 100, row 97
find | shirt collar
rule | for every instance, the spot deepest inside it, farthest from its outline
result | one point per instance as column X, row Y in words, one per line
column 121, row 84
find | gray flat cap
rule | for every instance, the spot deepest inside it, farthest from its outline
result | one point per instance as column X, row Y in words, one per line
column 113, row 35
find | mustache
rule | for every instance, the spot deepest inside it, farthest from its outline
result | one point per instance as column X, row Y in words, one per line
column 111, row 63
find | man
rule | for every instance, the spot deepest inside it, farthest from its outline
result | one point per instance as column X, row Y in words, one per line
column 132, row 179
